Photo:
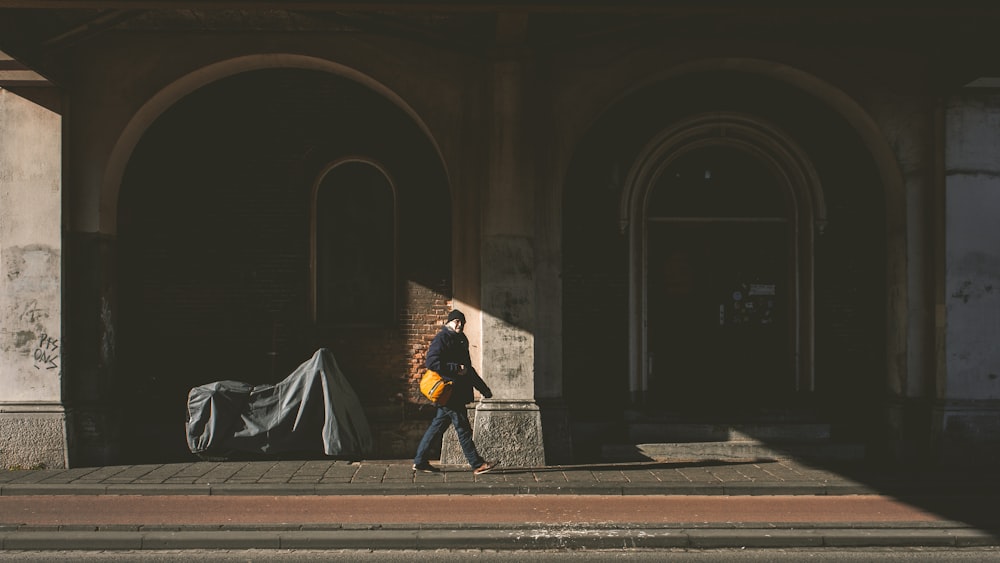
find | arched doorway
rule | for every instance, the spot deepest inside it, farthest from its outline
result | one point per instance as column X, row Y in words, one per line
column 721, row 211
column 238, row 205
column 719, row 270
column 836, row 235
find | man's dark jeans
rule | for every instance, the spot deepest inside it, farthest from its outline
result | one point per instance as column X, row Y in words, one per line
column 460, row 420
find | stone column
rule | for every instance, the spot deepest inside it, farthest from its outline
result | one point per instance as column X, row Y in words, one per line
column 32, row 417
column 965, row 418
column 93, row 403
column 508, row 426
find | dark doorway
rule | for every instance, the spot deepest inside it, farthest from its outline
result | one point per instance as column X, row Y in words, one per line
column 719, row 287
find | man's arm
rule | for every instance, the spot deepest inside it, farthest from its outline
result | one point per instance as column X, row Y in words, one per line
column 433, row 359
column 480, row 385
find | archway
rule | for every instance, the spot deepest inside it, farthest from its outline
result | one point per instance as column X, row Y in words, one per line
column 216, row 226
column 835, row 285
column 721, row 211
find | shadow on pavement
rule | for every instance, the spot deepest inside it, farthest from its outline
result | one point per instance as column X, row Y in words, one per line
column 613, row 466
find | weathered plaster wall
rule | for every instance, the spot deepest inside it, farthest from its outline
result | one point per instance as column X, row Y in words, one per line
column 972, row 293
column 31, row 416
column 966, row 413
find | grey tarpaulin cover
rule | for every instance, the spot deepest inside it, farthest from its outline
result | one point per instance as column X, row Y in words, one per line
column 312, row 406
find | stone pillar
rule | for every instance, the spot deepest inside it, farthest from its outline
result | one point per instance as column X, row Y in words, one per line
column 508, row 426
column 92, row 400
column 965, row 418
column 910, row 234
column 32, row 417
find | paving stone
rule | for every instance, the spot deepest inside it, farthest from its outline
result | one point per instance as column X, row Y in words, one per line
column 369, row 474
column 515, row 476
column 641, row 477
column 727, row 474
column 609, row 477
column 669, row 476
column 544, row 476
column 219, row 473
column 398, row 472
column 699, row 475
column 49, row 475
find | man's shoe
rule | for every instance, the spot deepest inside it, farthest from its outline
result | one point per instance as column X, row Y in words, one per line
column 425, row 467
column 486, row 467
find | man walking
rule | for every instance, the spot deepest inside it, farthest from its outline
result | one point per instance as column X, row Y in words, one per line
column 448, row 355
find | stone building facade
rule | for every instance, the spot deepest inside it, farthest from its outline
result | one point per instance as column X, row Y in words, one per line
column 654, row 214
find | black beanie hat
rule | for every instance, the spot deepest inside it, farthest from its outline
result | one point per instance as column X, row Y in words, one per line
column 456, row 314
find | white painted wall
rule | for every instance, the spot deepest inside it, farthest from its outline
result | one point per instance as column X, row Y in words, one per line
column 972, row 230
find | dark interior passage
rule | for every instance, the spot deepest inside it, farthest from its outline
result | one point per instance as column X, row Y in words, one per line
column 718, row 286
column 718, row 324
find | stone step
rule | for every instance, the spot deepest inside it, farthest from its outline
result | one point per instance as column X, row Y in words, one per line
column 734, row 450
column 646, row 432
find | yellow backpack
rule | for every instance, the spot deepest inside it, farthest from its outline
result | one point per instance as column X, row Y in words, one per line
column 435, row 387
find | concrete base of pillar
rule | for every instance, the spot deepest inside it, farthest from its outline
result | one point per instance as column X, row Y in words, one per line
column 966, row 432
column 907, row 433
column 32, row 436
column 507, row 431
column 558, row 432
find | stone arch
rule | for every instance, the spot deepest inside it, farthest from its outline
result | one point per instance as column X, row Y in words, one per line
column 171, row 94
column 900, row 330
column 314, row 242
column 797, row 177
column 824, row 91
column 227, row 289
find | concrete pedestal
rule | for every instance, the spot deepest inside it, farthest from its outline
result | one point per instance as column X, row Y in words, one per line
column 507, row 431
column 32, row 436
column 966, row 432
column 511, row 432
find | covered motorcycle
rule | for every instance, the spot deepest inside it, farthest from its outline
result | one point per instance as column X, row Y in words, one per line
column 312, row 409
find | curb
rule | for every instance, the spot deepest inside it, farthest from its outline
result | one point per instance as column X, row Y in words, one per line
column 518, row 538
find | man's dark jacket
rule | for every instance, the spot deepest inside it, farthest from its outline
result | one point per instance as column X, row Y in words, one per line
column 448, row 351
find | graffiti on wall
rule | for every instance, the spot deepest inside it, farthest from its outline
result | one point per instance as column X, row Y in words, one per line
column 46, row 353
column 32, row 312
